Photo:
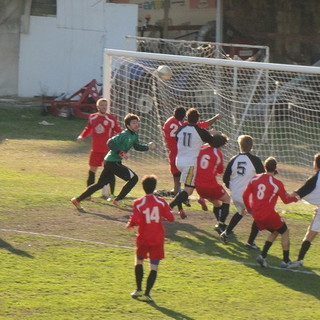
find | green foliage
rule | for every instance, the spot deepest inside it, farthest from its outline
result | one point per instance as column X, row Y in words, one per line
column 56, row 264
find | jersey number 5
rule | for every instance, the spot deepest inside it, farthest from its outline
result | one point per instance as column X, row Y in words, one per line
column 241, row 169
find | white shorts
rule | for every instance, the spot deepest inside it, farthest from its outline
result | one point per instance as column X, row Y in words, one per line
column 237, row 200
column 315, row 224
column 239, row 205
column 188, row 175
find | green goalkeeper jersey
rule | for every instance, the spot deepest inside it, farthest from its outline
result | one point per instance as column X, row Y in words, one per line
column 123, row 141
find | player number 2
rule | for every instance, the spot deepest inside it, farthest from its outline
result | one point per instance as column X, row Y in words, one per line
column 173, row 131
column 152, row 215
column 261, row 190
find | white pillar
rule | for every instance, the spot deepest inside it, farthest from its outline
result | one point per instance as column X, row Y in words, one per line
column 219, row 21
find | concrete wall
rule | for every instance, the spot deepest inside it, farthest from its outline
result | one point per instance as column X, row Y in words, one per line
column 61, row 54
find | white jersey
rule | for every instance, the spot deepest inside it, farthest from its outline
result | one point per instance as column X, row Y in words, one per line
column 310, row 191
column 239, row 171
column 190, row 138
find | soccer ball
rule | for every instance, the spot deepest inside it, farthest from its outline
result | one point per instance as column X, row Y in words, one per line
column 164, row 72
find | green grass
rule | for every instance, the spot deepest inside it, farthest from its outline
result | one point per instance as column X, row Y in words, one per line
column 56, row 264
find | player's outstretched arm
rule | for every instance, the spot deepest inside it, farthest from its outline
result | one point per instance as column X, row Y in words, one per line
column 212, row 120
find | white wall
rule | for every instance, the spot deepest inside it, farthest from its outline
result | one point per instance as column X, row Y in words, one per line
column 61, row 54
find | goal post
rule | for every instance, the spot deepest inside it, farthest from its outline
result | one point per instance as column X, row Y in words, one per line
column 279, row 105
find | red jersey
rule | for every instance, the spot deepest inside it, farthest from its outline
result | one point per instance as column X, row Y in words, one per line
column 209, row 165
column 101, row 127
column 148, row 212
column 261, row 195
column 170, row 129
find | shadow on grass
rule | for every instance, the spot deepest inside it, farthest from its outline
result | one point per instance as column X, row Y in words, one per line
column 301, row 280
column 170, row 313
column 202, row 241
column 7, row 246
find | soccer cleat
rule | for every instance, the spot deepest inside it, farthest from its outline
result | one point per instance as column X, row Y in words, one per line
column 111, row 198
column 220, row 227
column 224, row 237
column 120, row 204
column 182, row 214
column 262, row 261
column 187, row 203
column 295, row 264
column 251, row 246
column 147, row 298
column 136, row 294
column 77, row 204
column 203, row 204
column 285, row 265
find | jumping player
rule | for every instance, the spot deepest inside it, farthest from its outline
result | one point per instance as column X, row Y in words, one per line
column 148, row 213
column 170, row 129
column 190, row 137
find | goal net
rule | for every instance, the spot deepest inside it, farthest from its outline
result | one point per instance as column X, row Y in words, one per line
column 276, row 104
column 198, row 48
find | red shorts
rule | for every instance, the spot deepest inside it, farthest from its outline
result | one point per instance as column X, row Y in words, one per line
column 172, row 160
column 152, row 252
column 211, row 193
column 96, row 158
column 270, row 222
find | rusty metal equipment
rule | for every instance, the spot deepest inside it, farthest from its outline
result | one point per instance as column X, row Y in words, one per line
column 79, row 104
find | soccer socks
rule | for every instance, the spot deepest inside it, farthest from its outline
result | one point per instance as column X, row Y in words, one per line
column 233, row 222
column 138, row 270
column 150, row 281
column 91, row 178
column 179, row 198
column 286, row 256
column 112, row 184
column 304, row 249
column 266, row 248
column 253, row 234
column 217, row 212
column 224, row 212
column 127, row 187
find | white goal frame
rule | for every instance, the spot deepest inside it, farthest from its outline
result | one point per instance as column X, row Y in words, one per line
column 258, row 113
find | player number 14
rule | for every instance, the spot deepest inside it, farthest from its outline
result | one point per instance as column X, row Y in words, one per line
column 152, row 215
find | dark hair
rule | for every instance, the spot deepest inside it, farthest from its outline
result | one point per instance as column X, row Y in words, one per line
column 245, row 142
column 219, row 140
column 271, row 165
column 193, row 115
column 149, row 183
column 129, row 117
column 317, row 160
column 179, row 113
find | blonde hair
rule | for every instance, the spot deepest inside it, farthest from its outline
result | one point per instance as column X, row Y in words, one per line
column 99, row 100
column 245, row 143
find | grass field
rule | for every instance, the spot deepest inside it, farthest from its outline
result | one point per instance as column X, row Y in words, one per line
column 57, row 264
